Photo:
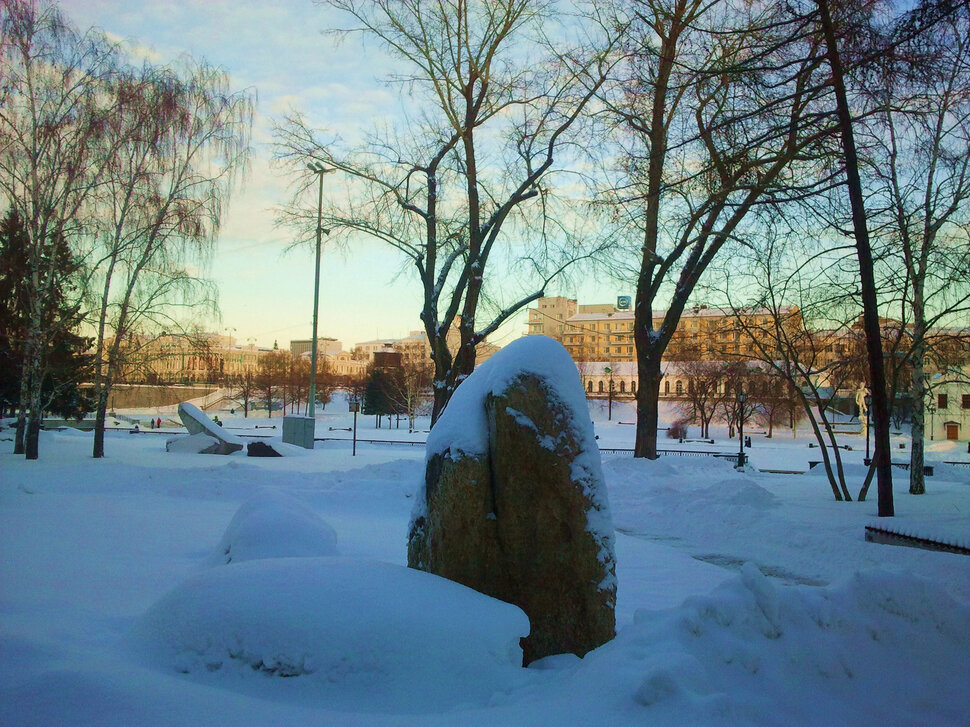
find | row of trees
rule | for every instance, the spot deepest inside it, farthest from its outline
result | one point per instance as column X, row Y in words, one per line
column 698, row 131
column 281, row 382
column 119, row 172
column 712, row 393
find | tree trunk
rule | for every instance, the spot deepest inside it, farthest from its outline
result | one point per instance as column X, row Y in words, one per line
column 18, row 444
column 23, row 404
column 834, row 444
column 824, row 451
column 917, row 478
column 32, row 438
column 35, row 418
column 100, row 418
column 648, row 407
column 870, row 309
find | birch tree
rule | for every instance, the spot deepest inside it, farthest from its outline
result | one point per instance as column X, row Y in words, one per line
column 918, row 171
column 177, row 145
column 52, row 122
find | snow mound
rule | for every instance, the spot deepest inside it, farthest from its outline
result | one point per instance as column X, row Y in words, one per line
column 69, row 432
column 192, row 444
column 274, row 525
column 945, row 445
column 751, row 650
column 350, row 634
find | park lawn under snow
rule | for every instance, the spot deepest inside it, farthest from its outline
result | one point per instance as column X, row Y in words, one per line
column 156, row 588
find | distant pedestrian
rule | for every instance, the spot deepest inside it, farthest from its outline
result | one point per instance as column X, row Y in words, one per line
column 158, row 423
column 151, row 423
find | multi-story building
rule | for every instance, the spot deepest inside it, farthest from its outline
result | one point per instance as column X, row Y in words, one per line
column 947, row 413
column 549, row 317
column 346, row 365
column 415, row 348
column 366, row 349
column 605, row 333
column 182, row 358
column 598, row 376
column 325, row 346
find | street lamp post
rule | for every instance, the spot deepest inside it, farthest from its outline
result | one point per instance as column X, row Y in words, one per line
column 742, row 397
column 609, row 411
column 319, row 170
column 868, row 460
column 931, row 408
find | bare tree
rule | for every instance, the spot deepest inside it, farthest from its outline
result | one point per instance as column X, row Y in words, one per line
column 738, row 377
column 297, row 382
column 468, row 179
column 918, row 165
column 777, row 403
column 177, row 144
column 806, row 339
column 704, row 392
column 131, row 167
column 52, row 116
column 717, row 105
column 245, row 387
column 868, row 292
column 409, row 388
column 270, row 378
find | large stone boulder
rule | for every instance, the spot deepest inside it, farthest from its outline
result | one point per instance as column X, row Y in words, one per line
column 514, row 503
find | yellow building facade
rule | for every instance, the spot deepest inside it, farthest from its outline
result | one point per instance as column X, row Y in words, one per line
column 603, row 333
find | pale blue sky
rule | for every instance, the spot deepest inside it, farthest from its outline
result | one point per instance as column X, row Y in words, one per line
column 277, row 48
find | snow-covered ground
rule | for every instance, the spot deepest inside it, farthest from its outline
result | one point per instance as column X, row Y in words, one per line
column 154, row 588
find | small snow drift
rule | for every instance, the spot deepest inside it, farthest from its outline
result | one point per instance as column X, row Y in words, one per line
column 274, row 525
column 196, row 421
column 354, row 635
column 751, row 651
column 514, row 503
column 200, row 443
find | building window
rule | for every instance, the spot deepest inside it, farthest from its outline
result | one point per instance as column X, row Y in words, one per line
column 666, row 387
column 589, row 386
column 599, row 387
column 622, row 387
column 633, row 387
column 966, row 401
column 680, row 388
column 941, row 401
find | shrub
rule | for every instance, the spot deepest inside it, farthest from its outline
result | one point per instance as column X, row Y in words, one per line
column 677, row 429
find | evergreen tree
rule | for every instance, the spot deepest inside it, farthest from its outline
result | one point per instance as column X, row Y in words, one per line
column 376, row 399
column 67, row 362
